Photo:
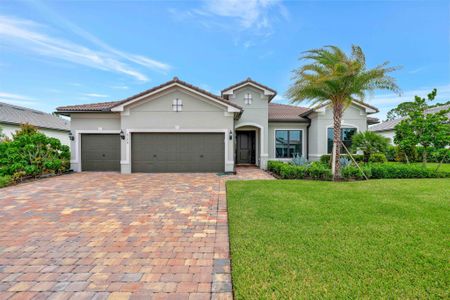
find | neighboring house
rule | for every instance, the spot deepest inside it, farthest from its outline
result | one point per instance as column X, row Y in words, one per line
column 12, row 116
column 386, row 128
column 177, row 127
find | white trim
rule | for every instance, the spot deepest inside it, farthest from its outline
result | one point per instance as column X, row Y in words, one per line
column 77, row 142
column 275, row 142
column 171, row 130
column 231, row 91
column 175, row 84
column 261, row 133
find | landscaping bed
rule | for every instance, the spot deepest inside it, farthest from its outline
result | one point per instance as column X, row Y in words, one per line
column 322, row 171
column 294, row 239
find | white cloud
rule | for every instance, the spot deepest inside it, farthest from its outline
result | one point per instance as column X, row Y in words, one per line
column 120, row 87
column 29, row 36
column 386, row 102
column 17, row 99
column 254, row 16
column 94, row 95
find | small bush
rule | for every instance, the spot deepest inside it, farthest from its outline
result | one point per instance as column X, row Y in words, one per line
column 377, row 158
column 5, row 181
column 353, row 172
column 315, row 170
column 390, row 153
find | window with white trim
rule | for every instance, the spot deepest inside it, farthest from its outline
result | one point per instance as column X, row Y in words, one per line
column 288, row 143
column 177, row 105
column 248, row 99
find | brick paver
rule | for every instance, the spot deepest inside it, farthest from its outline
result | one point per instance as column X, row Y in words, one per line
column 114, row 236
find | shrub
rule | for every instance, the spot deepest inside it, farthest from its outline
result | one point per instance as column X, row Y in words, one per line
column 369, row 143
column 31, row 153
column 401, row 154
column 5, row 181
column 390, row 153
column 404, row 171
column 353, row 172
column 377, row 158
column 315, row 170
column 326, row 158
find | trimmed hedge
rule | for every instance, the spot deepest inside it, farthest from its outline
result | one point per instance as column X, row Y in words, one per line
column 320, row 171
column 326, row 158
column 5, row 180
column 315, row 170
column 377, row 158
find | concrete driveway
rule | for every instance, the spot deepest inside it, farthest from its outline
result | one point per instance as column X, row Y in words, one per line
column 113, row 236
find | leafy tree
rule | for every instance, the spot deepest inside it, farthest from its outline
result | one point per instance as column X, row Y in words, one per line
column 31, row 153
column 429, row 130
column 369, row 143
column 400, row 111
column 332, row 77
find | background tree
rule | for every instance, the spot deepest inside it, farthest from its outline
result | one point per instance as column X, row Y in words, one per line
column 369, row 143
column 400, row 111
column 429, row 130
column 335, row 78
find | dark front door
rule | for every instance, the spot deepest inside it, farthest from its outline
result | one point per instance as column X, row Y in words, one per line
column 177, row 152
column 100, row 152
column 245, row 147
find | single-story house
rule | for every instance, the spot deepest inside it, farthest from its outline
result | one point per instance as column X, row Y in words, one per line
column 12, row 116
column 386, row 128
column 178, row 127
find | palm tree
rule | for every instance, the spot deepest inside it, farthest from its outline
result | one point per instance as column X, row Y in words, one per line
column 332, row 77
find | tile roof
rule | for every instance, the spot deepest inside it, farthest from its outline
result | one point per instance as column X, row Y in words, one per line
column 249, row 80
column 389, row 125
column 107, row 106
column 13, row 114
column 286, row 113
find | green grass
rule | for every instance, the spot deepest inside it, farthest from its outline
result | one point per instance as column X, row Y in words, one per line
column 308, row 239
column 432, row 166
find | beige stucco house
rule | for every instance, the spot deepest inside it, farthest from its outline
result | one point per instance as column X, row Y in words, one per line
column 178, row 127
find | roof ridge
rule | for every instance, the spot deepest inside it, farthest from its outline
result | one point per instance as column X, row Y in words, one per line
column 290, row 105
column 24, row 108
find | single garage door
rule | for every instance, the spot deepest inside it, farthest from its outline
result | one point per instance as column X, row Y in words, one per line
column 100, row 152
column 177, row 152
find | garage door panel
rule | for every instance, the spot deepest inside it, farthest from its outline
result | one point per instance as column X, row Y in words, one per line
column 178, row 152
column 100, row 152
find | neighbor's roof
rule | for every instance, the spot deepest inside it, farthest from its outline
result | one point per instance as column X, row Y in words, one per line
column 286, row 113
column 251, row 81
column 389, row 125
column 13, row 114
column 107, row 106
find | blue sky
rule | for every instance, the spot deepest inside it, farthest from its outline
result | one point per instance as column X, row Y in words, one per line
column 70, row 52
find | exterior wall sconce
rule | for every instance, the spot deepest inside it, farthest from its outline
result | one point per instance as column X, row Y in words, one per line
column 71, row 137
column 122, row 135
column 230, row 135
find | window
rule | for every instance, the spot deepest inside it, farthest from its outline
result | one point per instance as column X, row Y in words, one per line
column 346, row 137
column 288, row 143
column 248, row 99
column 177, row 105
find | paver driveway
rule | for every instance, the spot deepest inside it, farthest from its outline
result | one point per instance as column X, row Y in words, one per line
column 107, row 235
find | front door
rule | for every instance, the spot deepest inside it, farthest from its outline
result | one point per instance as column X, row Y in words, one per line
column 245, row 147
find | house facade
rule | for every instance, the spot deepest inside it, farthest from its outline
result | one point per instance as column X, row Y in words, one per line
column 12, row 116
column 387, row 128
column 178, row 127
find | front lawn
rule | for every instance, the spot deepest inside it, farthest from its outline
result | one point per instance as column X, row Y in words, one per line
column 366, row 239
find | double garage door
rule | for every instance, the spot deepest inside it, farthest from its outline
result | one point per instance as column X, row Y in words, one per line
column 156, row 152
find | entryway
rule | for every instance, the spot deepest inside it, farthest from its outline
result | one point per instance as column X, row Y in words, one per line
column 246, row 147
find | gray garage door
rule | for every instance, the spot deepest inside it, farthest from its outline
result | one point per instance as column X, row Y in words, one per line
column 177, row 152
column 100, row 152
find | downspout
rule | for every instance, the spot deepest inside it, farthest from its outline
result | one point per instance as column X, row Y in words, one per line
column 307, row 136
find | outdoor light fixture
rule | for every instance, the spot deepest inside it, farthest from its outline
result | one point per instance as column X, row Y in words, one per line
column 230, row 135
column 122, row 135
column 71, row 137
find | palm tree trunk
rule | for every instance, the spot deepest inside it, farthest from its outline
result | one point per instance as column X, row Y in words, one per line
column 337, row 117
